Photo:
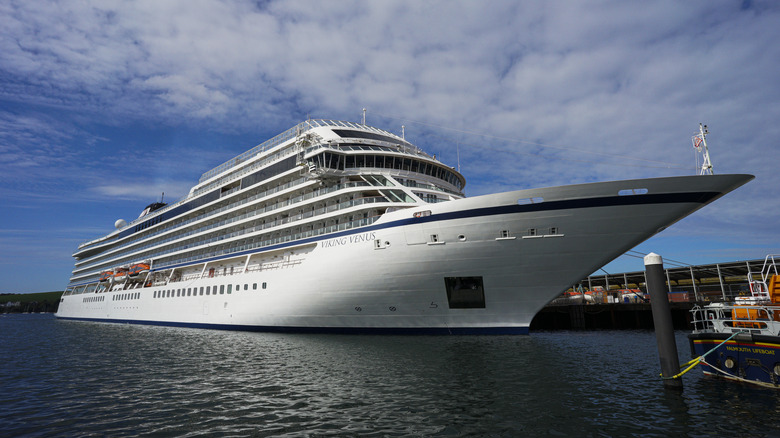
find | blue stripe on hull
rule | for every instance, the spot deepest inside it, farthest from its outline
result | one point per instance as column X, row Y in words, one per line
column 331, row 330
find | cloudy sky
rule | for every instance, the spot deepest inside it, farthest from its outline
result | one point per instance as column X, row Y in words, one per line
column 106, row 105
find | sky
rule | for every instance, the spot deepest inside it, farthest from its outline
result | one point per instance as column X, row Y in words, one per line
column 106, row 105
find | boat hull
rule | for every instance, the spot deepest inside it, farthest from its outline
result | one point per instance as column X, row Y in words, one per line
column 747, row 357
column 485, row 264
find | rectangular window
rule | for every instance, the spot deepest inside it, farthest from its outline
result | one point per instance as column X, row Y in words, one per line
column 264, row 284
column 254, row 286
column 201, row 290
column 230, row 289
column 222, row 289
column 246, row 287
column 208, row 290
column 189, row 291
column 465, row 292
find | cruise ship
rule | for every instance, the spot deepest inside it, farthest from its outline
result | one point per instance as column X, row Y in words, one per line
column 334, row 226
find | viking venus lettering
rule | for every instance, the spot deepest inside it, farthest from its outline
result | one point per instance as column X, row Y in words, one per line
column 328, row 217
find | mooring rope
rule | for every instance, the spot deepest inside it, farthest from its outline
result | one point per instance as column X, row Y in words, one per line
column 693, row 362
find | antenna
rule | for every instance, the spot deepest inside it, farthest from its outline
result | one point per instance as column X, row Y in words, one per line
column 403, row 134
column 162, row 197
column 364, row 116
column 700, row 144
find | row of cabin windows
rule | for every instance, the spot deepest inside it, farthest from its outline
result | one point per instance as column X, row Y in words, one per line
column 93, row 299
column 194, row 291
column 130, row 296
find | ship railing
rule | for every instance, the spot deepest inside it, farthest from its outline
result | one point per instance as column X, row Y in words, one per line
column 263, row 147
column 246, row 230
column 271, row 207
column 272, row 241
column 769, row 269
column 416, row 185
column 755, row 319
column 252, row 198
column 284, row 137
column 759, row 281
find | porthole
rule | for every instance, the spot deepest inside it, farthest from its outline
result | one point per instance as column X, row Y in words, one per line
column 461, row 237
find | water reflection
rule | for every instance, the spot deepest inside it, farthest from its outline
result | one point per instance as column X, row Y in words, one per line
column 65, row 378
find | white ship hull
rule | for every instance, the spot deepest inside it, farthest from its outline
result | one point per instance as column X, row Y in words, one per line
column 392, row 276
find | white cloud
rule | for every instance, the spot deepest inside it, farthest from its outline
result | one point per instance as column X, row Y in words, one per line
column 605, row 77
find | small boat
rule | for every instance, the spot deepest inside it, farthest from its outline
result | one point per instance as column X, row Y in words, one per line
column 120, row 274
column 106, row 276
column 741, row 340
column 138, row 269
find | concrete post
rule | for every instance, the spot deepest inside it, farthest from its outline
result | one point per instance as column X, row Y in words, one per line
column 662, row 320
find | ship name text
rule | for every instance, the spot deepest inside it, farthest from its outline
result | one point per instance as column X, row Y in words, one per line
column 347, row 240
column 751, row 350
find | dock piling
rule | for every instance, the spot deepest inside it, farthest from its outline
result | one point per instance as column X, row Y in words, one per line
column 662, row 320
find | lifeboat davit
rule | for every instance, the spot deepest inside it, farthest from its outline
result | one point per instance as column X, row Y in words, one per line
column 138, row 269
column 105, row 276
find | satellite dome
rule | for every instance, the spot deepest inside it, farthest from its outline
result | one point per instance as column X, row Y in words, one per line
column 120, row 223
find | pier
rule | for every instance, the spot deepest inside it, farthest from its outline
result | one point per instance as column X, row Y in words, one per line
column 619, row 301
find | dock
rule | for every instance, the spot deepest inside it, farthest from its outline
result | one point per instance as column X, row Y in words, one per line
column 607, row 316
column 619, row 301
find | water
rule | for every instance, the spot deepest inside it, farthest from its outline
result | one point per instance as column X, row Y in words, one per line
column 63, row 378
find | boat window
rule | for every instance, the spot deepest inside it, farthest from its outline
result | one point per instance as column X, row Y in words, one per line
column 208, row 290
column 246, row 287
column 222, row 289
column 189, row 291
column 264, row 284
column 629, row 192
column 348, row 133
column 534, row 200
column 254, row 286
column 201, row 290
column 229, row 289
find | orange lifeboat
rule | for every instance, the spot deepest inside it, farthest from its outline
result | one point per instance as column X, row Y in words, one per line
column 120, row 274
column 105, row 276
column 138, row 269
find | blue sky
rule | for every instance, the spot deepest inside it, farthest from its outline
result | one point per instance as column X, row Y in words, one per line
column 105, row 105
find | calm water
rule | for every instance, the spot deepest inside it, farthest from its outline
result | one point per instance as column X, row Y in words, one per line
column 61, row 378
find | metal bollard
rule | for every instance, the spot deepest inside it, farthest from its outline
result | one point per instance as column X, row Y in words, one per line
column 662, row 320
